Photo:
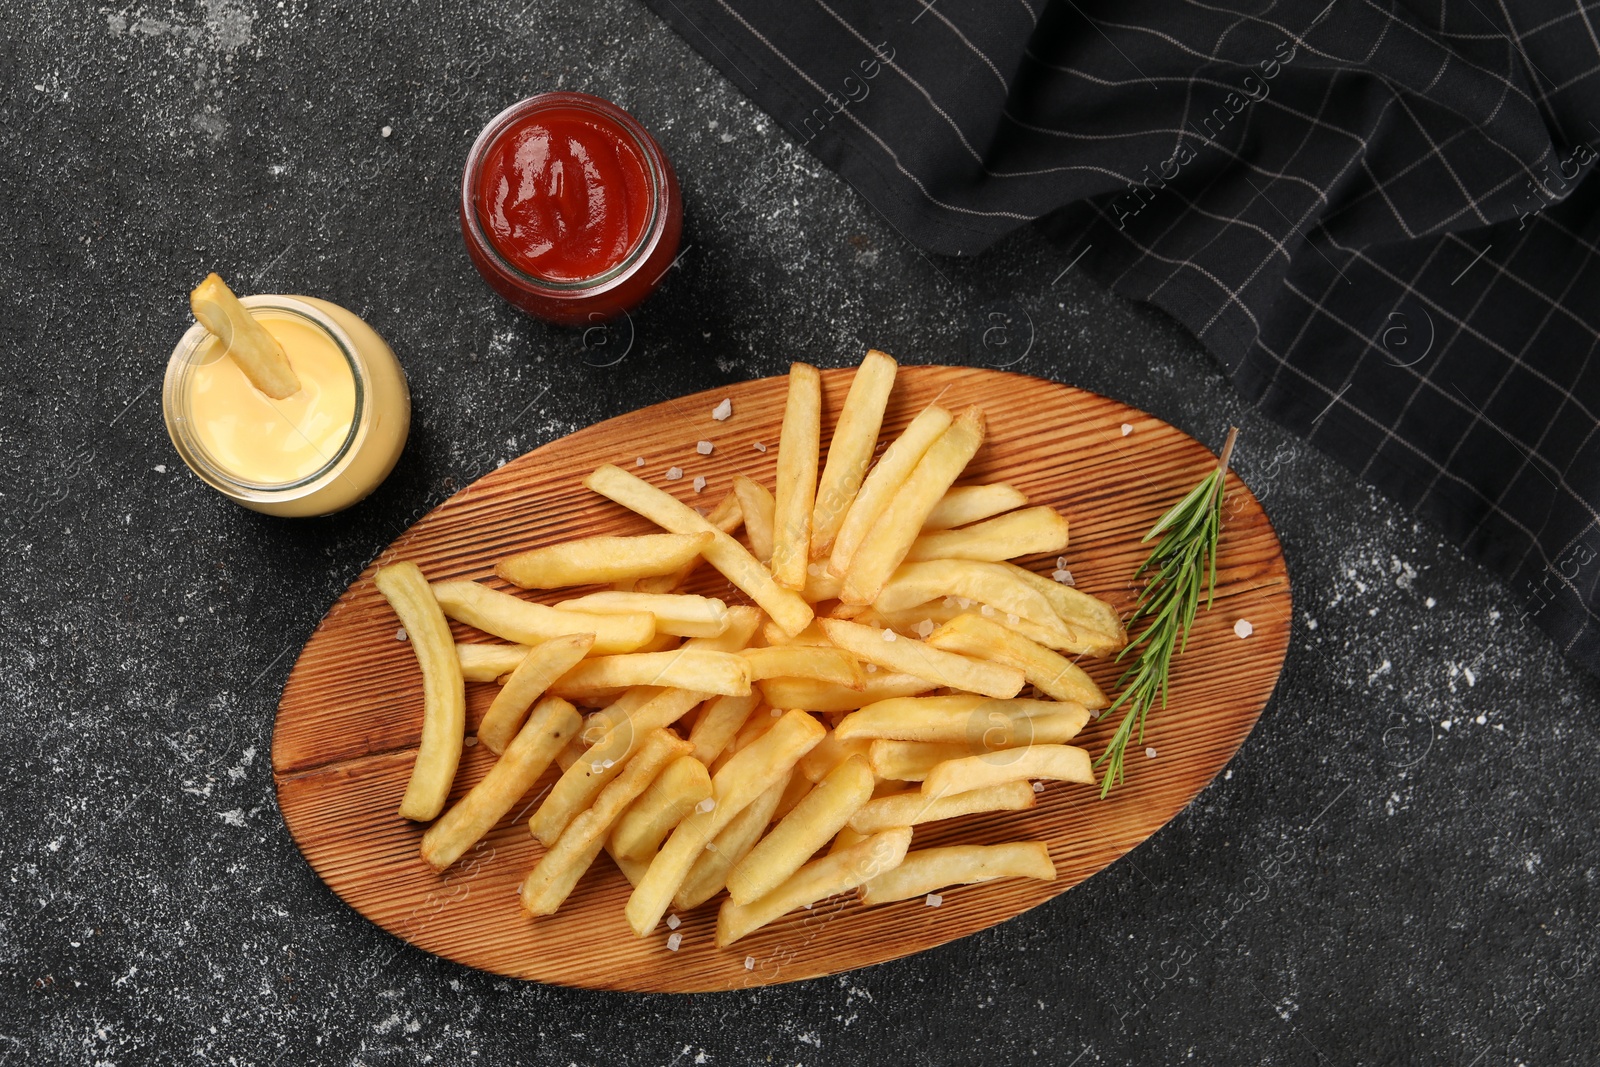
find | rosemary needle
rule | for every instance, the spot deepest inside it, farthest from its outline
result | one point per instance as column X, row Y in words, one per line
column 1183, row 561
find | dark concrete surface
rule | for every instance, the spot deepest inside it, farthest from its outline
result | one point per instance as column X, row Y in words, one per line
column 1399, row 867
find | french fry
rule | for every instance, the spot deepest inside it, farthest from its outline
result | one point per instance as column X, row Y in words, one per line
column 1078, row 610
column 825, row 696
column 558, row 870
column 811, row 635
column 911, row 809
column 962, row 504
column 1062, row 763
column 820, row 585
column 801, row 661
column 444, row 696
column 526, row 623
column 845, row 839
column 928, row 869
column 925, row 618
column 718, row 673
column 543, row 664
column 796, row 494
column 884, row 481
column 726, row 517
column 553, row 723
column 891, row 536
column 758, row 507
column 753, row 727
column 984, row 582
column 710, row 872
column 799, row 788
column 678, row 614
column 820, row 761
column 745, row 776
column 596, row 560
column 255, row 351
column 1054, row 674
column 485, row 663
column 672, row 796
column 787, row 608
column 743, row 622
column 812, row 823
column 836, row 873
column 855, row 436
column 620, row 731
column 718, row 723
column 914, row 657
column 1020, row 533
column 633, row 870
column 912, row 761
column 984, row 724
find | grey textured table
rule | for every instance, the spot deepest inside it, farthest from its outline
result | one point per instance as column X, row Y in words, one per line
column 1400, row 866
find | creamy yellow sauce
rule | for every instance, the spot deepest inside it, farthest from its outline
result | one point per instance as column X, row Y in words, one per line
column 272, row 442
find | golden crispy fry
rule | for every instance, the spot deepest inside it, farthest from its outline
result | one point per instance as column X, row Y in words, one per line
column 835, row 873
column 926, row 618
column 726, row 517
column 256, row 351
column 820, row 761
column 825, row 696
column 709, row 873
column 910, row 809
column 820, row 585
column 1062, row 763
column 855, row 436
column 753, row 727
column 1021, row 533
column 983, row 724
column 928, row 869
column 614, row 735
column 678, row 614
column 595, row 560
column 553, row 723
column 683, row 668
column 528, row 623
column 812, row 823
column 811, row 635
column 1080, row 611
column 796, row 494
column 1054, row 674
column 745, row 776
column 786, row 606
column 559, row 869
column 444, row 696
column 885, row 480
column 911, row 761
column 485, row 663
column 801, row 661
column 975, row 580
column 758, row 507
column 962, row 504
column 671, row 797
column 543, row 664
column 901, row 654
column 718, row 723
column 891, row 536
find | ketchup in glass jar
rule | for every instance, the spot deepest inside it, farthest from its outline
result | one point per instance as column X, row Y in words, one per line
column 569, row 208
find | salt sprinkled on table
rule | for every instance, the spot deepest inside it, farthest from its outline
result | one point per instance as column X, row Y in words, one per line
column 1150, row 752
column 1243, row 628
column 760, row 447
column 703, row 447
column 699, row 484
column 673, row 922
column 1126, row 429
column 639, row 462
column 674, row 473
column 401, row 635
column 722, row 410
column 749, row 963
column 673, row 941
column 934, row 900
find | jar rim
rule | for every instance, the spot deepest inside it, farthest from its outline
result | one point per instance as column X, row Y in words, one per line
column 655, row 170
column 177, row 392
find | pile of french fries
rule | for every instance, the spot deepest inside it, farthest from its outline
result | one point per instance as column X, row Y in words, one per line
column 782, row 751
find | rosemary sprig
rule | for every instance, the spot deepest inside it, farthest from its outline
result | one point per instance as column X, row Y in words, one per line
column 1184, row 561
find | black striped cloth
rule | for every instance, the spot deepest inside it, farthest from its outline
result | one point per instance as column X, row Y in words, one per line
column 1378, row 216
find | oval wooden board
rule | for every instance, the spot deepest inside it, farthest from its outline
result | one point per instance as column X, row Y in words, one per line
column 350, row 716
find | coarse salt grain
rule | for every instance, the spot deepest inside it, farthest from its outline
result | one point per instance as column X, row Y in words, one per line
column 711, row 846
column 722, row 410
column 776, row 712
column 706, row 805
column 386, row 131
column 872, row 668
column 1064, row 576
column 699, row 484
column 964, row 602
column 760, row 447
column 934, row 900
column 401, row 635
column 674, row 473
column 1126, row 429
column 924, row 629
column 749, row 963
column 673, row 922
column 814, row 569
column 1038, row 787
column 987, row 609
column 673, row 941
column 890, row 635
column 1013, row 618
column 639, row 462
column 470, row 742
column 703, row 447
column 1150, row 752
column 1243, row 628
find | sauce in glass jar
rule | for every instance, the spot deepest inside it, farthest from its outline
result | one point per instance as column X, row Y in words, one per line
column 569, row 208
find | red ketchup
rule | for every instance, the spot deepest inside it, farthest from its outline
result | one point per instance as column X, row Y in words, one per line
column 569, row 208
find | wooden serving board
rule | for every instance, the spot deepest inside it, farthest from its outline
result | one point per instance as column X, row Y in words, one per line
column 350, row 716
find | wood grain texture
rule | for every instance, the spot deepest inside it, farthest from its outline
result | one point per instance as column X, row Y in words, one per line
column 350, row 716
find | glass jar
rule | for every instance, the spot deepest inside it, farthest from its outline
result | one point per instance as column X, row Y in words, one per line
column 559, row 296
column 349, row 469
